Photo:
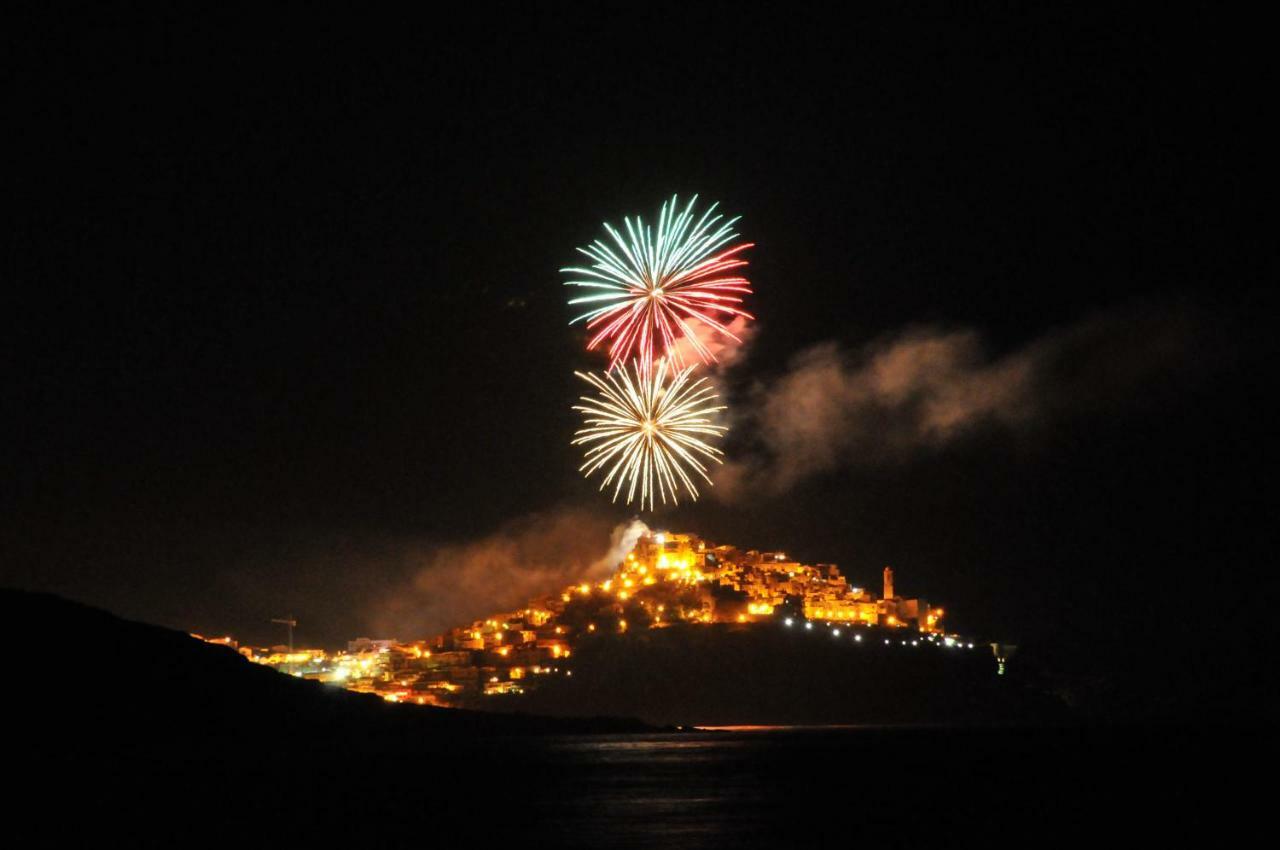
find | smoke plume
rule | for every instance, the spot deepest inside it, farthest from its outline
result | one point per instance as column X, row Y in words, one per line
column 455, row 584
column 927, row 387
column 725, row 349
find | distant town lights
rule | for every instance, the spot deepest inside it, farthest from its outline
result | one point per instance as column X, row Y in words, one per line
column 505, row 646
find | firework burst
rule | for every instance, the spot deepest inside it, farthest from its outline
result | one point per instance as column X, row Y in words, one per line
column 650, row 290
column 648, row 433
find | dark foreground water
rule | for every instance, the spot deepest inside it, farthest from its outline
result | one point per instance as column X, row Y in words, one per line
column 839, row 787
column 738, row 788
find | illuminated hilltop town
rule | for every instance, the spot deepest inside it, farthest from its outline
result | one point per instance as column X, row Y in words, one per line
column 668, row 580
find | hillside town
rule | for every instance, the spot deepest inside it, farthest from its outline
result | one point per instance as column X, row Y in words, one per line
column 666, row 581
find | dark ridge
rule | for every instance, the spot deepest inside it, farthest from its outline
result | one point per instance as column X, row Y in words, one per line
column 96, row 682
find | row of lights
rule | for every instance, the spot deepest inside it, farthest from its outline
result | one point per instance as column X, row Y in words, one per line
column 858, row 638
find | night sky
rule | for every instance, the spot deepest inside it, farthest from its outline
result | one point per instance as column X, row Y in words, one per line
column 284, row 313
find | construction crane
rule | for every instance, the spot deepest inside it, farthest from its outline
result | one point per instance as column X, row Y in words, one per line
column 290, row 622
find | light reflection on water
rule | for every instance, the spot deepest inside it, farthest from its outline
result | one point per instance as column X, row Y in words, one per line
column 678, row 790
column 791, row 787
column 794, row 787
column 684, row 748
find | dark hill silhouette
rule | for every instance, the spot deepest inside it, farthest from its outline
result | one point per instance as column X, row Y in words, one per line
column 91, row 680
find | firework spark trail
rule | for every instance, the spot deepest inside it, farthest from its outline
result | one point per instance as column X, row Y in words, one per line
column 647, row 432
column 653, row 290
